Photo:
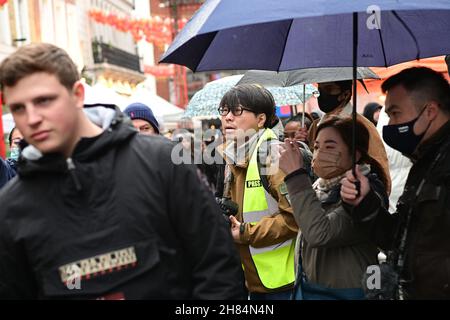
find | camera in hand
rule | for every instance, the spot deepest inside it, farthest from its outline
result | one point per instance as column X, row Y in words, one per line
column 228, row 207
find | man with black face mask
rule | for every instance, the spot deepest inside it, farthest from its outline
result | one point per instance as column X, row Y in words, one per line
column 335, row 99
column 416, row 236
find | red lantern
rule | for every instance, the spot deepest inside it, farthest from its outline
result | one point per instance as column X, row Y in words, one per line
column 154, row 30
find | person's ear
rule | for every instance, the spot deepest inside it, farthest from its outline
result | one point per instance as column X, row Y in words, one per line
column 261, row 120
column 78, row 94
column 432, row 110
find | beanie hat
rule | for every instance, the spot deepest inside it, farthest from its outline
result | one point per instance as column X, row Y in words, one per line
column 141, row 111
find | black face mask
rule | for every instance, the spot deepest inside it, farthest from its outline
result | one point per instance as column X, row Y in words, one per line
column 328, row 102
column 402, row 138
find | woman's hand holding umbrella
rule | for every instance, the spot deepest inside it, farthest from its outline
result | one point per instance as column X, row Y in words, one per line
column 349, row 191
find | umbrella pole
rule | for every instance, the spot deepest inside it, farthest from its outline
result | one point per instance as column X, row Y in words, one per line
column 355, row 63
column 304, row 105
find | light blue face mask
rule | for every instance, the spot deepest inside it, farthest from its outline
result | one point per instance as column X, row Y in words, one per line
column 14, row 153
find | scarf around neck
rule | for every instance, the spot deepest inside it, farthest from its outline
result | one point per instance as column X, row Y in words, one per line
column 324, row 187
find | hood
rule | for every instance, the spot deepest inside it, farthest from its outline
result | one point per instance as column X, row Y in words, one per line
column 117, row 129
column 370, row 109
column 342, row 112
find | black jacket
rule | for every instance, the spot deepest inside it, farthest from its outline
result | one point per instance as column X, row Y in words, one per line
column 7, row 171
column 126, row 219
column 427, row 261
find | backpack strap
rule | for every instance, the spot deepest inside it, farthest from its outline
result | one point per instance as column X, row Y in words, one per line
column 264, row 179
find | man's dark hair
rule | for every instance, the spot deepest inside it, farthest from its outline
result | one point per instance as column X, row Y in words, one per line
column 254, row 97
column 423, row 84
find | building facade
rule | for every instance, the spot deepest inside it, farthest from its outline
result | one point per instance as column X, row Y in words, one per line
column 111, row 55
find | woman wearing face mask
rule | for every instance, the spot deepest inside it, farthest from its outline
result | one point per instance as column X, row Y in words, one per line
column 335, row 100
column 14, row 148
column 332, row 253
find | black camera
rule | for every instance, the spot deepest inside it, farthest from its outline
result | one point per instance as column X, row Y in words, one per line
column 228, row 208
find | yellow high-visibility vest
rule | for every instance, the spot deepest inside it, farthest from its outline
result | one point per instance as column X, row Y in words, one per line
column 275, row 264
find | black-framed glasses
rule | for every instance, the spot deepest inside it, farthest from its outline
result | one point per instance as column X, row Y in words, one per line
column 236, row 111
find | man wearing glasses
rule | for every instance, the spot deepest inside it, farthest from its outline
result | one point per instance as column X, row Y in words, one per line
column 264, row 227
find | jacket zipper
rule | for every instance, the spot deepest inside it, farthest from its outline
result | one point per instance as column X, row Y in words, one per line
column 72, row 168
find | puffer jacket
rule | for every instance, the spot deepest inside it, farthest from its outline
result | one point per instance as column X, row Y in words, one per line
column 118, row 220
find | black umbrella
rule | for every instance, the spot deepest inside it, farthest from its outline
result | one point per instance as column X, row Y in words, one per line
column 294, row 34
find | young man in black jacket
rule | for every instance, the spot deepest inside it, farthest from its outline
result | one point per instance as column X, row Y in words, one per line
column 417, row 235
column 96, row 212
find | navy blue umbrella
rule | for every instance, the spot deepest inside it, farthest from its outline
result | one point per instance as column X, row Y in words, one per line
column 296, row 34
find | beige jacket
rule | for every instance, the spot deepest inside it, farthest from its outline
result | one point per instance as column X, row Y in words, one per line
column 271, row 230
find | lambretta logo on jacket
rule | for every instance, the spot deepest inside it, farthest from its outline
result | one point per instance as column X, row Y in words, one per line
column 100, row 264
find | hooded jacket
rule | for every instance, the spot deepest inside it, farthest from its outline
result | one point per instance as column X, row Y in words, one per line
column 369, row 111
column 109, row 223
column 7, row 172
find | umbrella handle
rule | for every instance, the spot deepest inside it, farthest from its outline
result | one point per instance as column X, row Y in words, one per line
column 357, row 184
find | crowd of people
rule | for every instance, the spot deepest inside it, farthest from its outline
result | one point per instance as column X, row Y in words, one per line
column 95, row 207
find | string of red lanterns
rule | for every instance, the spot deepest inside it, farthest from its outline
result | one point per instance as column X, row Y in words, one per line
column 160, row 71
column 154, row 30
